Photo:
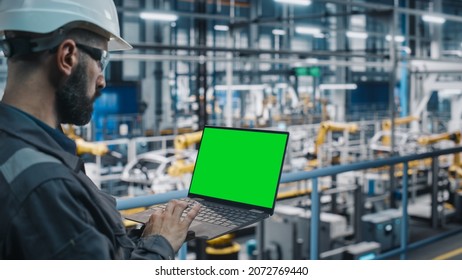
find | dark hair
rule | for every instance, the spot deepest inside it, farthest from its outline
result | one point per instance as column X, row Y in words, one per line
column 85, row 36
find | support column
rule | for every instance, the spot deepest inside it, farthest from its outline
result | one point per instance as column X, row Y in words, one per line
column 391, row 97
column 229, row 71
column 338, row 97
column 201, row 79
column 435, row 32
column 404, row 89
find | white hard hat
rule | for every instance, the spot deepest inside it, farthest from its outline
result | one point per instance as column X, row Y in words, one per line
column 45, row 16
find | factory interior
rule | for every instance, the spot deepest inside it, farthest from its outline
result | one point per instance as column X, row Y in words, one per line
column 370, row 92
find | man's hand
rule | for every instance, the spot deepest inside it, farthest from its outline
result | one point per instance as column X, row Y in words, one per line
column 170, row 224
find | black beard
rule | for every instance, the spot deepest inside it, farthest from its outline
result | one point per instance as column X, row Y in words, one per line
column 73, row 104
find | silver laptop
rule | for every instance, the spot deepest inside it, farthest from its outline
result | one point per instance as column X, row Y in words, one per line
column 235, row 178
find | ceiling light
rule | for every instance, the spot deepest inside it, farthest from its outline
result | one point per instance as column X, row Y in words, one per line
column 279, row 32
column 433, row 19
column 398, row 38
column 356, row 35
column 158, row 16
column 307, row 30
column 338, row 86
column 295, row 2
column 240, row 87
column 221, row 27
column 311, row 60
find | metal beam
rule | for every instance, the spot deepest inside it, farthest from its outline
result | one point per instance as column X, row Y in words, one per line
column 431, row 85
column 298, row 62
column 439, row 66
column 252, row 51
column 400, row 10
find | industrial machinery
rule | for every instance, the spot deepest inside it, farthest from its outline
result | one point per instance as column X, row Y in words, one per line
column 84, row 147
column 455, row 169
column 287, row 232
column 387, row 125
column 383, row 227
column 96, row 149
column 148, row 172
column 453, row 199
column 381, row 141
column 223, row 248
column 182, row 142
column 164, row 170
column 324, row 128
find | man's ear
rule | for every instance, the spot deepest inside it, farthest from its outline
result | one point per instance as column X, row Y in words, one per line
column 66, row 56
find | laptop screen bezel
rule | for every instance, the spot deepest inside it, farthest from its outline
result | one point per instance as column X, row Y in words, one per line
column 267, row 210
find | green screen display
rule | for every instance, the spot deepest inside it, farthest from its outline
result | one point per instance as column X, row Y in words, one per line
column 239, row 165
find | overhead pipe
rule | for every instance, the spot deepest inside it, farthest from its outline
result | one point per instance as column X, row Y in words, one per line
column 300, row 62
column 252, row 51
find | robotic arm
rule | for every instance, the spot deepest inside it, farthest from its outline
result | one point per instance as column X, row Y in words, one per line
column 324, row 129
column 332, row 126
column 386, row 126
column 181, row 142
column 455, row 168
column 84, row 147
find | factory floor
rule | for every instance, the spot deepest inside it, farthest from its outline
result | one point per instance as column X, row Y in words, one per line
column 446, row 242
column 448, row 248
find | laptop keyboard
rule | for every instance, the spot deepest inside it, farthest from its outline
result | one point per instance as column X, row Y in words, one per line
column 218, row 215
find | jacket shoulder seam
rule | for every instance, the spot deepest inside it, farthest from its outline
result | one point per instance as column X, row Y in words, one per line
column 21, row 160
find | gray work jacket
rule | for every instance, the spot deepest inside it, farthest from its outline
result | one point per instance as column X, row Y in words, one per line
column 49, row 209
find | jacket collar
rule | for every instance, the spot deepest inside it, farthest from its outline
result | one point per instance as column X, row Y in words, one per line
column 21, row 126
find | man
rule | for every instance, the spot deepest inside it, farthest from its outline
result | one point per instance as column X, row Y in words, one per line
column 49, row 209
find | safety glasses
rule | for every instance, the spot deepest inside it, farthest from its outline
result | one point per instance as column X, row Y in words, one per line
column 101, row 56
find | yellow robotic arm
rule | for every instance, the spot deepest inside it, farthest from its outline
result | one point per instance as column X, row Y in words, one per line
column 432, row 139
column 84, row 147
column 180, row 143
column 183, row 141
column 386, row 126
column 324, row 129
column 332, row 126
column 455, row 168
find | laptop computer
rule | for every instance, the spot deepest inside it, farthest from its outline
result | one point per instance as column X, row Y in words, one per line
column 235, row 178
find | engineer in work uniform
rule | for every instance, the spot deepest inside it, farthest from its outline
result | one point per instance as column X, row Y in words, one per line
column 49, row 208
